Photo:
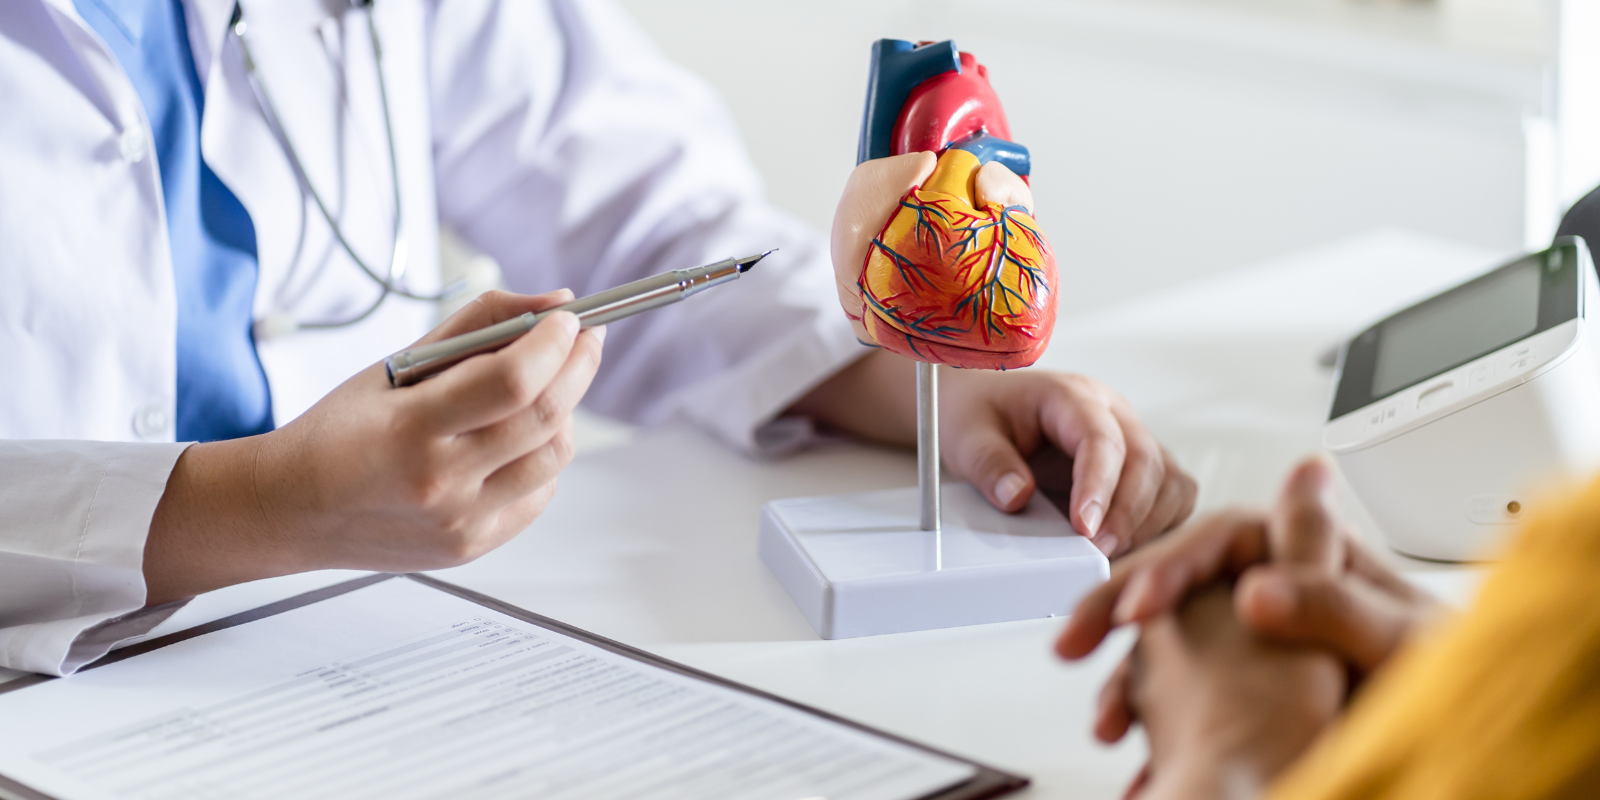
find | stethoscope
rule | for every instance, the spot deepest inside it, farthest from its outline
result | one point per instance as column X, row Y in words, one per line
column 281, row 323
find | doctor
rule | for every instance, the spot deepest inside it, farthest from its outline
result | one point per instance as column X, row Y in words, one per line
column 212, row 216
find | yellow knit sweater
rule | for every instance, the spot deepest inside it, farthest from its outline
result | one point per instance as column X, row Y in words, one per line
column 1503, row 702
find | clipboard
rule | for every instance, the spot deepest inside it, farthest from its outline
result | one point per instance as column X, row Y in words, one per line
column 985, row 782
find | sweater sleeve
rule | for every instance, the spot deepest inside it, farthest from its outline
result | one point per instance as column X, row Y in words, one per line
column 1502, row 702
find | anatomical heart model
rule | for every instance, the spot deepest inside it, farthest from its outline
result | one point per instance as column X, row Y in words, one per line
column 937, row 259
column 935, row 248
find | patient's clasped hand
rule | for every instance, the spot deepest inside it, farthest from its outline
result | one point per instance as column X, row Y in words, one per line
column 1260, row 631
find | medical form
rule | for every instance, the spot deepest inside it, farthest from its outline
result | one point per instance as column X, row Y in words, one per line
column 406, row 687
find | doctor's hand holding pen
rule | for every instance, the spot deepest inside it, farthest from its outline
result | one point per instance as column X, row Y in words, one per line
column 438, row 473
column 374, row 478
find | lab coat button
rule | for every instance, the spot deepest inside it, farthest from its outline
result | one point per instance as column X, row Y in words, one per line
column 132, row 145
column 152, row 422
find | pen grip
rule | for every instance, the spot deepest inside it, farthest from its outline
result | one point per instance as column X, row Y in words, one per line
column 425, row 361
column 410, row 366
column 418, row 363
column 626, row 300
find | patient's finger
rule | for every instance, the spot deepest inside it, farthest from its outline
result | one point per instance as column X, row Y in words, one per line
column 1154, row 579
column 1223, row 546
column 1138, row 784
column 1360, row 561
column 1112, row 718
column 1346, row 614
column 1091, row 619
column 1304, row 529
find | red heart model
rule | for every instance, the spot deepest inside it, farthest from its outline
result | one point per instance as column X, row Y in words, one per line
column 956, row 270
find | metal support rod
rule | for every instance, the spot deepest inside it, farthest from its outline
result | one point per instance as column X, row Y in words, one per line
column 928, row 443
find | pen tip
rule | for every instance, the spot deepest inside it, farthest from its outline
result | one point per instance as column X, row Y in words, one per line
column 749, row 261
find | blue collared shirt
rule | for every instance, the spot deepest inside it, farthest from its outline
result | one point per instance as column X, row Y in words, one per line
column 222, row 391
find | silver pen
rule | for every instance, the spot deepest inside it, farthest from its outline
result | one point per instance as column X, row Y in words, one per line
column 409, row 366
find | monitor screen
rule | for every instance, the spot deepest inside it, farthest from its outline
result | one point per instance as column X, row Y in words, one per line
column 1460, row 326
column 1517, row 300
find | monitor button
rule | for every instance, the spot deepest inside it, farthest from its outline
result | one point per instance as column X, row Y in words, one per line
column 1380, row 417
column 1481, row 375
column 1436, row 396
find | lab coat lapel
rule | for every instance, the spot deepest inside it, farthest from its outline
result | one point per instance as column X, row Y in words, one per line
column 85, row 269
column 316, row 61
column 239, row 145
column 208, row 22
column 96, row 73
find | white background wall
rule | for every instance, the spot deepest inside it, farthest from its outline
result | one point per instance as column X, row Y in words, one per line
column 1172, row 138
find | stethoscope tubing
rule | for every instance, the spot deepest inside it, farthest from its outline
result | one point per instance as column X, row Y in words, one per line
column 400, row 251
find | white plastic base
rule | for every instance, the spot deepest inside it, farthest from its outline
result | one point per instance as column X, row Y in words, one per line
column 857, row 564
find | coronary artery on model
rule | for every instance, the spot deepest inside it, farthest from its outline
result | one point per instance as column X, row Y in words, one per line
column 947, row 279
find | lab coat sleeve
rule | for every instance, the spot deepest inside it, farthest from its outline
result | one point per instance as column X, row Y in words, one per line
column 74, row 516
column 569, row 149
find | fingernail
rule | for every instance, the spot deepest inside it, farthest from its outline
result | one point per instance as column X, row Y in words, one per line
column 1008, row 487
column 1091, row 514
column 568, row 321
column 1316, row 476
column 1106, row 543
column 1275, row 595
column 599, row 333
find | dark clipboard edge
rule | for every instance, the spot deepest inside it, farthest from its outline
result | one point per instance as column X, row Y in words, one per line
column 989, row 782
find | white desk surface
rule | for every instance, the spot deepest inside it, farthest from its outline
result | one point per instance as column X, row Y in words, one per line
column 651, row 539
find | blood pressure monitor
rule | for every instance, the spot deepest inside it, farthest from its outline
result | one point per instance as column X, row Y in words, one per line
column 1452, row 418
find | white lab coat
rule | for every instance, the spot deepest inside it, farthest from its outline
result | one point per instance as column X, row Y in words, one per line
column 550, row 134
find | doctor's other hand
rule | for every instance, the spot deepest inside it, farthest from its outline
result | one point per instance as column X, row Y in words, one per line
column 1126, row 489
column 372, row 477
column 1223, row 710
